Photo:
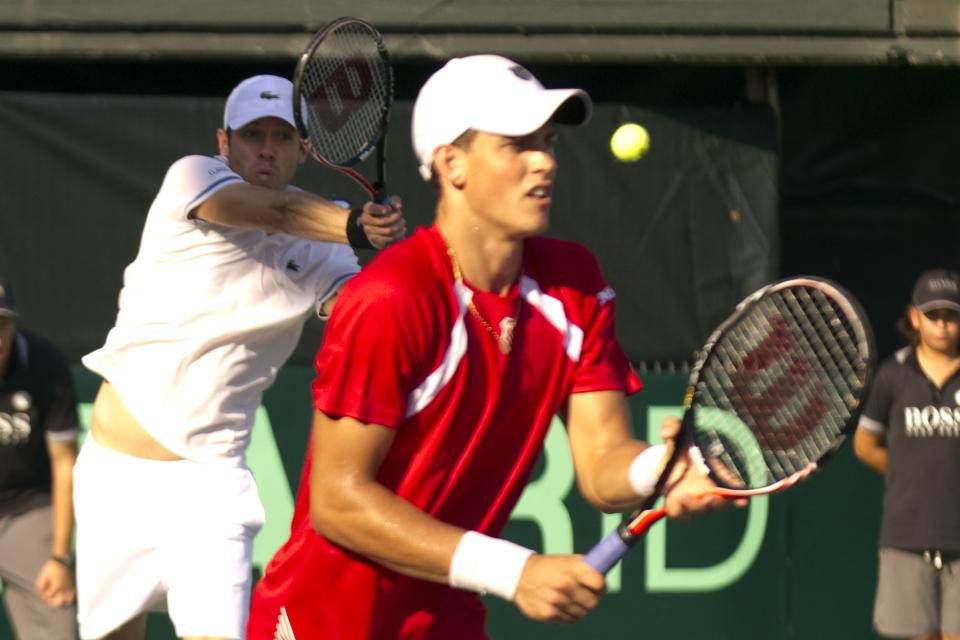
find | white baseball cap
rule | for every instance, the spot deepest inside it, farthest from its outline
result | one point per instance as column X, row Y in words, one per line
column 259, row 97
column 487, row 93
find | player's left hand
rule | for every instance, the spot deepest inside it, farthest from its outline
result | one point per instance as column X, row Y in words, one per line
column 55, row 584
column 383, row 222
column 689, row 489
column 558, row 588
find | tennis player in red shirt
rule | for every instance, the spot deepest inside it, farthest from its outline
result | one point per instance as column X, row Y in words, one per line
column 442, row 366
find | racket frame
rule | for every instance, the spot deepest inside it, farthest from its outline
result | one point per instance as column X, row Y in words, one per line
column 611, row 548
column 377, row 142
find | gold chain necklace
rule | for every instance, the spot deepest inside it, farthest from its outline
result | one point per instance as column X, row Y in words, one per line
column 504, row 337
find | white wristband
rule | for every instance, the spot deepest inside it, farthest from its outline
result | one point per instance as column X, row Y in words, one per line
column 696, row 456
column 645, row 470
column 487, row 565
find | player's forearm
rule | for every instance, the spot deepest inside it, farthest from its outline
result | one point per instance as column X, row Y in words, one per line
column 374, row 522
column 869, row 450
column 308, row 216
column 605, row 484
column 62, row 507
column 296, row 213
column 873, row 457
column 603, row 448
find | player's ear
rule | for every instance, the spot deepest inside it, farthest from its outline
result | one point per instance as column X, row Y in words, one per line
column 448, row 161
column 304, row 149
column 223, row 142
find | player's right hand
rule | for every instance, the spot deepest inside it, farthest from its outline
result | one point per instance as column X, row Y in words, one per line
column 55, row 585
column 384, row 222
column 555, row 588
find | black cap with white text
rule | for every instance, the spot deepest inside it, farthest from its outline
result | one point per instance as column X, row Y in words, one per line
column 937, row 289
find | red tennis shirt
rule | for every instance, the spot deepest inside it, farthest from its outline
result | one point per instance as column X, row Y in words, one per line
column 404, row 350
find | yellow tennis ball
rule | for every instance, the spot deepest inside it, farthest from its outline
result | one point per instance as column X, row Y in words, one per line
column 629, row 142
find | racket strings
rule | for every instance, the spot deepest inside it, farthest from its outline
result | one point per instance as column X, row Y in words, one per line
column 788, row 376
column 840, row 346
column 804, row 427
column 783, row 402
column 827, row 336
column 746, row 404
column 834, row 338
column 347, row 87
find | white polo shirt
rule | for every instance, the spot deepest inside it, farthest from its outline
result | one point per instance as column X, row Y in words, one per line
column 207, row 316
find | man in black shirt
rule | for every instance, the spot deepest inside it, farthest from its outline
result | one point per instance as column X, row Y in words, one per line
column 910, row 432
column 38, row 446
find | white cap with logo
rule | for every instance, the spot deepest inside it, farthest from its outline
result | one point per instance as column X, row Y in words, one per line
column 487, row 93
column 259, row 97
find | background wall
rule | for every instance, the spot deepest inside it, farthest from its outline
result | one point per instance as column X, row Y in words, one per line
column 84, row 167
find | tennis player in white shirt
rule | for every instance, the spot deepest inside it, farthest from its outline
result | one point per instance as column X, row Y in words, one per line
column 232, row 261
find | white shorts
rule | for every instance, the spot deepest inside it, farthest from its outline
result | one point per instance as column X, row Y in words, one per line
column 163, row 535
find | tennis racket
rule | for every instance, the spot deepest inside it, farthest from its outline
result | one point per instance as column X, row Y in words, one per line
column 773, row 394
column 342, row 93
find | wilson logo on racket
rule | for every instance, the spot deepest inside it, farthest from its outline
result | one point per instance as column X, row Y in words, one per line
column 765, row 400
column 344, row 92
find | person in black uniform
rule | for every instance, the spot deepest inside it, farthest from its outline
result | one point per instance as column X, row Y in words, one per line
column 38, row 446
column 910, row 432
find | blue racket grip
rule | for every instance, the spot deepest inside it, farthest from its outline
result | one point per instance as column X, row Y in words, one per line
column 606, row 553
